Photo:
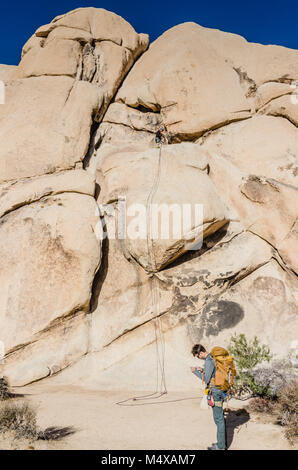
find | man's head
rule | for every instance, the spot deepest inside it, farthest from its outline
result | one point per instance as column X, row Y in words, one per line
column 199, row 351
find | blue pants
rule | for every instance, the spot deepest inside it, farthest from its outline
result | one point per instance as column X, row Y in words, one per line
column 219, row 419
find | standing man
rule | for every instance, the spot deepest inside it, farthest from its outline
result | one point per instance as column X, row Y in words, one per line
column 207, row 374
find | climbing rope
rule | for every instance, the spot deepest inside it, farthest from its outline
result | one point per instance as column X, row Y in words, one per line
column 155, row 299
column 154, row 283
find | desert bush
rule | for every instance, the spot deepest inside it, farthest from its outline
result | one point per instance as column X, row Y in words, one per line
column 261, row 405
column 4, row 389
column 272, row 383
column 288, row 410
column 20, row 419
column 247, row 355
column 270, row 379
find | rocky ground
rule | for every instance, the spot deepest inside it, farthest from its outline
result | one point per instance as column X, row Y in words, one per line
column 176, row 421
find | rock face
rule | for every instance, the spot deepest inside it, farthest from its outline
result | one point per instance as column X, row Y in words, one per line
column 137, row 170
column 6, row 71
column 92, row 290
column 68, row 74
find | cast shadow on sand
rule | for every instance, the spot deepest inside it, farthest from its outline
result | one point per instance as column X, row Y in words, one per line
column 235, row 419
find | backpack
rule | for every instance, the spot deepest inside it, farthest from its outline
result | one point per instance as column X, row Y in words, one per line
column 225, row 369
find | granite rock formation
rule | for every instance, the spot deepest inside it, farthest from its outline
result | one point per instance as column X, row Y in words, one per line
column 79, row 303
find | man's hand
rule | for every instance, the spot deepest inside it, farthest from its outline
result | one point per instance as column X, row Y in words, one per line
column 196, row 368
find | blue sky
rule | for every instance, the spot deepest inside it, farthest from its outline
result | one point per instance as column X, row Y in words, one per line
column 266, row 22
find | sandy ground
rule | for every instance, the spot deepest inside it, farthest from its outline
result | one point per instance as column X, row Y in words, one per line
column 175, row 421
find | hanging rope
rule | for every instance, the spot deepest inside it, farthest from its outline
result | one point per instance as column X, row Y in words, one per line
column 155, row 299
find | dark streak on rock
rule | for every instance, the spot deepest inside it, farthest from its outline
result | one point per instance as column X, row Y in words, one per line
column 215, row 317
column 100, row 275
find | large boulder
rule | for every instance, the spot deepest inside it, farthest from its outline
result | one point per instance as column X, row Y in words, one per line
column 97, row 287
column 265, row 206
column 63, row 83
column 123, row 295
column 24, row 192
column 200, row 79
column 50, row 254
column 233, row 285
column 264, row 304
column 68, row 74
column 162, row 213
column 60, row 262
column 263, row 145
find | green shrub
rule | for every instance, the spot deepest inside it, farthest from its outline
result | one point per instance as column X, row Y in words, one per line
column 247, row 355
column 274, row 385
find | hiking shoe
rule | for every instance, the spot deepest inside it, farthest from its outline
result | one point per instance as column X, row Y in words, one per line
column 214, row 447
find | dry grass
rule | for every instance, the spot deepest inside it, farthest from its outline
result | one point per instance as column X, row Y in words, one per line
column 19, row 419
column 261, row 405
column 288, row 410
column 283, row 411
